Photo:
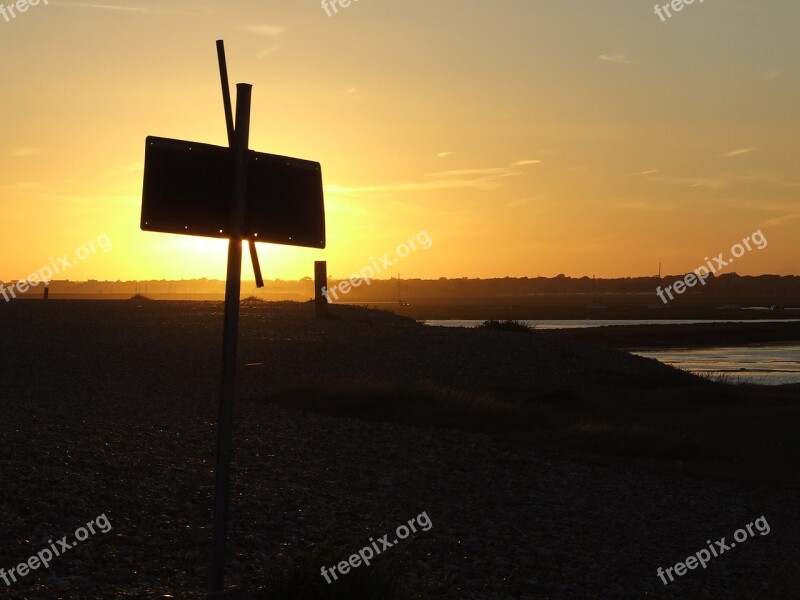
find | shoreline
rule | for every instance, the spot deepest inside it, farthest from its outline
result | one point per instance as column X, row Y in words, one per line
column 695, row 335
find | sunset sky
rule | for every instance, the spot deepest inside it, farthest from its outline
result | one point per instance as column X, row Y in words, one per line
column 526, row 137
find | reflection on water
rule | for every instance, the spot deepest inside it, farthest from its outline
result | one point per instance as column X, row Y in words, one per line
column 765, row 364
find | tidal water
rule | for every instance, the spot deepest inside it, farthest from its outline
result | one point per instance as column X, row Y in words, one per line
column 764, row 364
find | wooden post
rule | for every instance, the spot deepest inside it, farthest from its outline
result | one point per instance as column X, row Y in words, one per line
column 230, row 339
column 46, row 290
column 320, row 288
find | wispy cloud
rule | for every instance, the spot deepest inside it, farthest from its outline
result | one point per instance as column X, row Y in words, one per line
column 523, row 163
column 520, row 202
column 266, row 30
column 444, row 154
column 36, row 190
column 23, row 186
column 646, row 206
column 138, row 9
column 190, row 11
column 479, row 179
column 22, row 152
column 777, row 221
column 738, row 152
column 482, row 183
column 273, row 32
column 735, row 182
column 489, row 178
column 644, row 173
column 695, row 182
column 616, row 57
column 500, row 171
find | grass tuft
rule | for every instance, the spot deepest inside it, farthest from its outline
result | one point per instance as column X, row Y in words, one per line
column 514, row 326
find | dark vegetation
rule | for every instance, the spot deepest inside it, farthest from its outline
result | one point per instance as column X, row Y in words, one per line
column 709, row 429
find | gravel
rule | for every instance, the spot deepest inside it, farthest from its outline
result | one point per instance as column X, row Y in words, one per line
column 110, row 408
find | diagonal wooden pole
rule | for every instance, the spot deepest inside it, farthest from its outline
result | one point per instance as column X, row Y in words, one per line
column 241, row 140
column 226, row 91
column 226, row 102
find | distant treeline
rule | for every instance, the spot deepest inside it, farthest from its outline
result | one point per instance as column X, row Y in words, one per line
column 526, row 286
column 730, row 286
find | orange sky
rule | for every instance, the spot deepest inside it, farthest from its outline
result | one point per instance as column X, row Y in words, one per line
column 526, row 137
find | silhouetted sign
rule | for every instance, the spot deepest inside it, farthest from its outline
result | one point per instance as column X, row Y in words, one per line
column 188, row 189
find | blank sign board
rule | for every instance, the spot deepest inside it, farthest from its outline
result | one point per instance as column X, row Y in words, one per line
column 188, row 189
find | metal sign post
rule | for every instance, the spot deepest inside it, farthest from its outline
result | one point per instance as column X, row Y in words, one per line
column 235, row 193
column 230, row 337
